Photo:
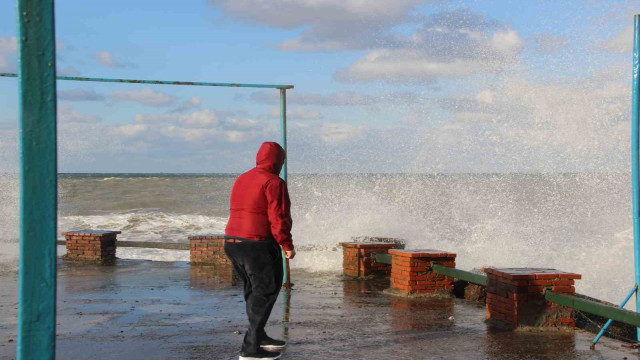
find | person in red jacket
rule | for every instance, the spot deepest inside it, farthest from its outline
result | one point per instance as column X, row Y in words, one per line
column 259, row 224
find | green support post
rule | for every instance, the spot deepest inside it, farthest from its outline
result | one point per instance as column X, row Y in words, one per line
column 286, row 280
column 38, row 183
column 283, row 130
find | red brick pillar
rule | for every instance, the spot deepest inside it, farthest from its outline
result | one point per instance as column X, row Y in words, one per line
column 358, row 261
column 515, row 297
column 91, row 245
column 412, row 273
column 208, row 250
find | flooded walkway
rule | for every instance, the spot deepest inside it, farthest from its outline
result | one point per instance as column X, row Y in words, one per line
column 162, row 310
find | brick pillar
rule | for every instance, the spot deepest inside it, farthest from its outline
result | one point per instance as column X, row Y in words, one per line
column 91, row 245
column 358, row 261
column 412, row 273
column 515, row 297
column 208, row 250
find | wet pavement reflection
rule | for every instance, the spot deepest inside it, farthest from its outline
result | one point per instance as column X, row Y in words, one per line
column 159, row 310
column 213, row 277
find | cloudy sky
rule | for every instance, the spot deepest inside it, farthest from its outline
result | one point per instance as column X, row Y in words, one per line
column 380, row 86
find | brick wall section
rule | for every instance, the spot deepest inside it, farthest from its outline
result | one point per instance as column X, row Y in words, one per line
column 515, row 297
column 358, row 261
column 208, row 250
column 91, row 245
column 412, row 272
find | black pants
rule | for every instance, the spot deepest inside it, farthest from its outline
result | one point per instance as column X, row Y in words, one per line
column 259, row 263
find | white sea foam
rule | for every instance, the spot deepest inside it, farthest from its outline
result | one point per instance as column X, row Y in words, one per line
column 577, row 223
column 9, row 212
column 147, row 225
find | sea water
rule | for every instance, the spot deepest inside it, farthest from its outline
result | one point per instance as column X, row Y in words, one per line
column 573, row 222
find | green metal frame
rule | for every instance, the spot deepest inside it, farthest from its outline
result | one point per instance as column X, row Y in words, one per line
column 593, row 307
column 383, row 258
column 461, row 274
column 38, row 172
column 38, row 180
column 164, row 82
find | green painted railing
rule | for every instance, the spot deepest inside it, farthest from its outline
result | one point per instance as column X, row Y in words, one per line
column 461, row 274
column 594, row 307
column 383, row 258
column 164, row 82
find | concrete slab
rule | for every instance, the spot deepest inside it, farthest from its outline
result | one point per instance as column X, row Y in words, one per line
column 162, row 310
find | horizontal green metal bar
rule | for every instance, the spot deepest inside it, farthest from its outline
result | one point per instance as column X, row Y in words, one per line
column 461, row 274
column 593, row 307
column 162, row 82
column 383, row 258
column 145, row 244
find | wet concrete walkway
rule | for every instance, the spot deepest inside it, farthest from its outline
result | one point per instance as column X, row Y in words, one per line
column 161, row 310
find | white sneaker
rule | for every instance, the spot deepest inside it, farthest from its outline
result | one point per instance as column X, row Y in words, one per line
column 260, row 355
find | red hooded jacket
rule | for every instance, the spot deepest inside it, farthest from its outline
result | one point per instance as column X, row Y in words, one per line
column 260, row 205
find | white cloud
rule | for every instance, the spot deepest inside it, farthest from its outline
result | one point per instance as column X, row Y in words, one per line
column 547, row 43
column 199, row 119
column 79, row 94
column 298, row 113
column 200, row 135
column 152, row 118
column 622, row 43
column 241, row 123
column 449, row 45
column 338, row 132
column 193, row 103
column 106, row 58
column 506, row 42
column 67, row 71
column 341, row 98
column 8, row 50
column 144, row 96
column 408, row 66
column 66, row 114
column 328, row 25
column 237, row 136
column 485, row 96
column 130, row 130
column 204, row 126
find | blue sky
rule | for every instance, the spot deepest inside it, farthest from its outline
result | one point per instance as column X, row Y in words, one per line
column 384, row 86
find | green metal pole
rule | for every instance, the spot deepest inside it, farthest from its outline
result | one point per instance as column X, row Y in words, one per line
column 283, row 130
column 286, row 279
column 635, row 156
column 38, row 184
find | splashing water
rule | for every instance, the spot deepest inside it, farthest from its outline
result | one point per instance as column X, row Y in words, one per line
column 573, row 222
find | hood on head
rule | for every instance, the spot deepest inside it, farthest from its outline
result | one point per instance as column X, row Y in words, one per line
column 270, row 157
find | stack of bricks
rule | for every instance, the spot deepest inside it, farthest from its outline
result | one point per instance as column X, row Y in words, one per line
column 91, row 245
column 208, row 250
column 412, row 272
column 515, row 297
column 358, row 258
